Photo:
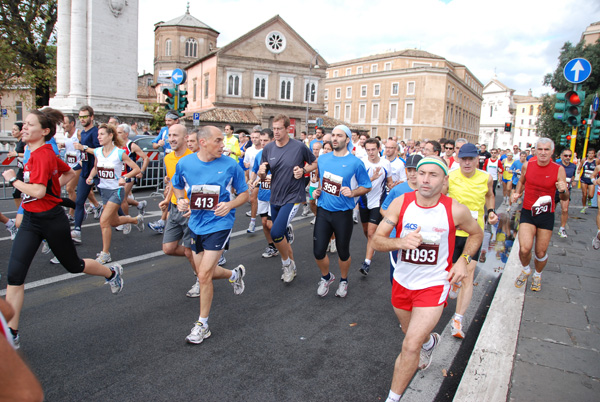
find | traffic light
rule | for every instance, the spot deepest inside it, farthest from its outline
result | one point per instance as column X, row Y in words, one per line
column 507, row 127
column 559, row 107
column 564, row 140
column 183, row 102
column 595, row 130
column 574, row 102
column 170, row 98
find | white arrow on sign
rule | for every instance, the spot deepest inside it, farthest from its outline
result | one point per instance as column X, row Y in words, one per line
column 177, row 76
column 577, row 68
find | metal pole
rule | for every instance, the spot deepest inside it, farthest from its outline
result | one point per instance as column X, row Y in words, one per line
column 307, row 94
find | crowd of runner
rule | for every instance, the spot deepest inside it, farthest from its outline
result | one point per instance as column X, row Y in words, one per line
column 425, row 203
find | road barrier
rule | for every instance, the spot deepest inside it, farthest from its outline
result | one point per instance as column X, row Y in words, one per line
column 6, row 162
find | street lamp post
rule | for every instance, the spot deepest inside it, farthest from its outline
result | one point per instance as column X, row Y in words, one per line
column 309, row 91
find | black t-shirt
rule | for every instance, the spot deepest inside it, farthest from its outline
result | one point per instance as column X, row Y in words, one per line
column 483, row 155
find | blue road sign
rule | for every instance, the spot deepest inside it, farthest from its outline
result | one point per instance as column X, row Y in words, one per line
column 4, row 112
column 178, row 76
column 577, row 70
column 196, row 116
column 595, row 103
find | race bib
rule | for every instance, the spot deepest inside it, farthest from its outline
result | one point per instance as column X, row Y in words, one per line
column 332, row 184
column 106, row 172
column 427, row 253
column 266, row 183
column 205, row 197
column 71, row 158
column 588, row 174
column 474, row 214
column 27, row 198
column 84, row 156
column 541, row 206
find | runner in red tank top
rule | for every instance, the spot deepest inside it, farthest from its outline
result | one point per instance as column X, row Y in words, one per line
column 540, row 179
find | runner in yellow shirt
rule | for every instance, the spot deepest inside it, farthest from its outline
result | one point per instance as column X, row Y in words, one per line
column 232, row 145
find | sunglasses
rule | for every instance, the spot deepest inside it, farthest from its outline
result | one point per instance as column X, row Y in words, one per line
column 449, row 147
column 568, row 155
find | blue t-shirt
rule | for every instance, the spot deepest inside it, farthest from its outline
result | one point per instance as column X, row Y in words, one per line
column 503, row 157
column 516, row 165
column 263, row 194
column 313, row 141
column 89, row 138
column 395, row 192
column 529, row 157
column 27, row 152
column 353, row 173
column 569, row 170
column 163, row 135
column 223, row 172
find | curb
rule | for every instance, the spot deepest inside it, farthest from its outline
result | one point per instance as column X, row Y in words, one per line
column 488, row 373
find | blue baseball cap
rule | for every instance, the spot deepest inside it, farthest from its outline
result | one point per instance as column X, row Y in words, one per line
column 468, row 151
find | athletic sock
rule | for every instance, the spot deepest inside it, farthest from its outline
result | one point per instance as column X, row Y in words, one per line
column 233, row 276
column 537, row 274
column 286, row 262
column 9, row 224
column 343, row 279
column 272, row 245
column 458, row 317
column 252, row 220
column 13, row 332
column 561, row 228
column 393, row 397
column 430, row 343
column 527, row 270
column 327, row 277
column 368, row 261
column 204, row 321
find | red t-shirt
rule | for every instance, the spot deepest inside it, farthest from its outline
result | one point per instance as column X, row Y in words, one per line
column 43, row 167
column 540, row 181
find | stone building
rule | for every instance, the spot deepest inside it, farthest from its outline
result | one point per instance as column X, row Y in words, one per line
column 411, row 94
column 527, row 112
column 497, row 109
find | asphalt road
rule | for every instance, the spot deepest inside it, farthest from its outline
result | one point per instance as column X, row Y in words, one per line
column 274, row 342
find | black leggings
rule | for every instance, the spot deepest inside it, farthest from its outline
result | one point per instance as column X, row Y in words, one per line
column 328, row 223
column 51, row 225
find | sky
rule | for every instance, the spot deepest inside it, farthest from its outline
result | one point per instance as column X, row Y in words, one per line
column 516, row 41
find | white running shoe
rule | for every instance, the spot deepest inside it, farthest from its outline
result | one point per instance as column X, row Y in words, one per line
column 195, row 290
column 289, row 233
column 427, row 355
column 98, row 211
column 199, row 333
column 12, row 230
column 238, row 283
column 251, row 227
column 454, row 289
column 596, row 242
column 45, row 247
column 119, row 228
column 76, row 236
column 142, row 207
column 270, row 252
column 103, row 258
column 140, row 222
column 54, row 261
column 127, row 228
column 116, row 283
column 342, row 289
column 323, row 288
column 289, row 272
column 332, row 246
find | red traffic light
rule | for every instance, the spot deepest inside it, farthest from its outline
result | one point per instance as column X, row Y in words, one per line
column 170, row 92
column 568, row 138
column 583, row 122
column 573, row 98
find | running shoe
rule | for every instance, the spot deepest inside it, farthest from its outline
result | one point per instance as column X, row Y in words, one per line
column 289, row 272
column 71, row 219
column 313, row 220
column 45, row 247
column 54, row 261
column 158, row 226
column 103, row 258
column 251, row 227
column 323, row 288
column 249, row 214
column 427, row 355
column 332, row 246
column 89, row 208
column 457, row 331
column 127, row 228
column 306, row 210
column 364, row 269
column 195, row 290
column 120, row 228
column 536, row 283
column 562, row 233
column 238, row 283
column 17, row 341
column 289, row 233
column 142, row 207
column 116, row 283
column 454, row 290
column 583, row 210
column 342, row 289
column 12, row 230
column 522, row 279
column 76, row 236
column 596, row 242
column 222, row 260
column 199, row 333
column 140, row 222
column 355, row 219
column 270, row 252
column 482, row 257
column 98, row 211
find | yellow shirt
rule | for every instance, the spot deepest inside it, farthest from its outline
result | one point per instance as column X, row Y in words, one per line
column 471, row 192
column 234, row 147
column 508, row 173
column 170, row 164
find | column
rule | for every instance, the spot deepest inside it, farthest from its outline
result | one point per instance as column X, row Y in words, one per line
column 63, row 64
column 78, row 65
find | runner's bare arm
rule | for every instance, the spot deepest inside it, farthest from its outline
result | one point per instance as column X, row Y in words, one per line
column 463, row 219
column 381, row 238
column 561, row 184
column 490, row 202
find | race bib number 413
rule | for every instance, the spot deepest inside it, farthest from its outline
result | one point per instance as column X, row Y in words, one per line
column 205, row 196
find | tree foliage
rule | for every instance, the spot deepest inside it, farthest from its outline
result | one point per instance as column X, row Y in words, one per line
column 158, row 116
column 28, row 46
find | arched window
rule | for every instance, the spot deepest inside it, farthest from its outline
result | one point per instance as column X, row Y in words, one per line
column 168, row 47
column 191, row 48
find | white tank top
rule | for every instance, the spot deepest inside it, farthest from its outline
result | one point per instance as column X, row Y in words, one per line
column 428, row 265
column 109, row 167
column 72, row 156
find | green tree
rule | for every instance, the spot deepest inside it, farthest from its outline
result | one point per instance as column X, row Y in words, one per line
column 547, row 126
column 158, row 116
column 28, row 46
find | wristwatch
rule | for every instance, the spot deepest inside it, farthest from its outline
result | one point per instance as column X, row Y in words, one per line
column 468, row 258
column 12, row 180
column 85, row 148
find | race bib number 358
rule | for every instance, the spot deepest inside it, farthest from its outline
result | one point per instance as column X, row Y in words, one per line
column 205, row 197
column 332, row 184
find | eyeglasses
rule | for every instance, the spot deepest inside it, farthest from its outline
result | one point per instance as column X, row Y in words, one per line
column 84, row 117
column 449, row 147
column 569, row 155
